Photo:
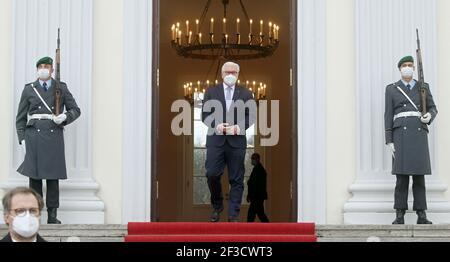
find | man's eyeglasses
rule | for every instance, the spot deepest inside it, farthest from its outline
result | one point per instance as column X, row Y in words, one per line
column 21, row 212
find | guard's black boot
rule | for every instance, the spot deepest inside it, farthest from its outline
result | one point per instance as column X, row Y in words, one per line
column 52, row 216
column 400, row 219
column 422, row 218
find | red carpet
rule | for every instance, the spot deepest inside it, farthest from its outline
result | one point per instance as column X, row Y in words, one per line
column 221, row 232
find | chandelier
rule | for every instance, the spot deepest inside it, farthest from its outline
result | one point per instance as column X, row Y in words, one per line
column 192, row 40
column 194, row 91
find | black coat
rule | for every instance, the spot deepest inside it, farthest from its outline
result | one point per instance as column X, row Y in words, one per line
column 257, row 184
column 244, row 121
column 409, row 134
column 8, row 239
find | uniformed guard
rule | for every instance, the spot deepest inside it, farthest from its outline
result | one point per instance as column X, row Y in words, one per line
column 407, row 137
column 40, row 133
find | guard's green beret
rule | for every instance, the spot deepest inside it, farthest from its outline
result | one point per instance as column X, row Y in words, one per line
column 405, row 59
column 44, row 61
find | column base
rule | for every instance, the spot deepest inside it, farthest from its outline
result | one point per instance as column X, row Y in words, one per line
column 373, row 203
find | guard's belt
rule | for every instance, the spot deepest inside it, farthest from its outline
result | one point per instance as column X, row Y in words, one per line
column 407, row 114
column 40, row 117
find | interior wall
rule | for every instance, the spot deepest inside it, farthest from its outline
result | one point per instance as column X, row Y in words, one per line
column 273, row 70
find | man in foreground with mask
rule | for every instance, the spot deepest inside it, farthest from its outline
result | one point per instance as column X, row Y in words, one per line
column 226, row 143
column 407, row 138
column 21, row 211
column 41, row 133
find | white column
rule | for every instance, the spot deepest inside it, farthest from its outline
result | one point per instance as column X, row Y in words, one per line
column 386, row 31
column 443, row 126
column 312, row 184
column 138, row 48
column 341, row 105
column 34, row 27
column 6, row 134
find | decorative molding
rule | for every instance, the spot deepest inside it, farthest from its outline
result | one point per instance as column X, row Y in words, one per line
column 386, row 31
column 312, row 185
column 35, row 25
column 136, row 189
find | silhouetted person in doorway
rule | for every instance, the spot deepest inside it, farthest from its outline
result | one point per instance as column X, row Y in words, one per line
column 257, row 191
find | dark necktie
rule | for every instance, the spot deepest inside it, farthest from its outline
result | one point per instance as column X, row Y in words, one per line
column 45, row 86
column 408, row 86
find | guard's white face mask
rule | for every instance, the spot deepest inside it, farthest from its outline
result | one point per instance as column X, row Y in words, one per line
column 407, row 71
column 26, row 226
column 43, row 73
column 230, row 80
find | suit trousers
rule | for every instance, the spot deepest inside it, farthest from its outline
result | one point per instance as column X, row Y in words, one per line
column 419, row 193
column 257, row 208
column 216, row 160
column 52, row 197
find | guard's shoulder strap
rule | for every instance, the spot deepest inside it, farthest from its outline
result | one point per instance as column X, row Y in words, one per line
column 409, row 99
column 40, row 97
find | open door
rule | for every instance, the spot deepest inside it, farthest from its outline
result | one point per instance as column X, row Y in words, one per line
column 180, row 191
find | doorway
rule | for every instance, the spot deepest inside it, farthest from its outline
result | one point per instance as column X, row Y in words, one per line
column 178, row 164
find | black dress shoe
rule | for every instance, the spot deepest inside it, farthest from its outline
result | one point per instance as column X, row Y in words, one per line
column 215, row 215
column 52, row 216
column 422, row 218
column 400, row 217
column 233, row 219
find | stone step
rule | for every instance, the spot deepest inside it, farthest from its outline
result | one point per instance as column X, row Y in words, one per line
column 80, row 233
column 383, row 233
column 325, row 233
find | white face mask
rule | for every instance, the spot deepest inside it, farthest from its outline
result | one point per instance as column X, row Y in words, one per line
column 407, row 71
column 230, row 80
column 43, row 73
column 26, row 226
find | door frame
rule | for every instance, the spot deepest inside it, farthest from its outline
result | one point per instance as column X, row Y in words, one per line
column 139, row 180
column 155, row 112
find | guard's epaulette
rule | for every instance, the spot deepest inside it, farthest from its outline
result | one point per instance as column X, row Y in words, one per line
column 392, row 85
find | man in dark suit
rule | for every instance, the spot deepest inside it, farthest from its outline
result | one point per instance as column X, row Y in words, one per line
column 407, row 138
column 257, row 191
column 41, row 133
column 228, row 111
column 22, row 208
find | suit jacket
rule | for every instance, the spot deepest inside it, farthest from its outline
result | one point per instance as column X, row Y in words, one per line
column 243, row 119
column 257, row 183
column 8, row 239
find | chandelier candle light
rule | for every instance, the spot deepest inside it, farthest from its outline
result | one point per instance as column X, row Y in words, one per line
column 228, row 45
column 195, row 92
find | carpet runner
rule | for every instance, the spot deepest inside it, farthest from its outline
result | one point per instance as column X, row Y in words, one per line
column 221, row 232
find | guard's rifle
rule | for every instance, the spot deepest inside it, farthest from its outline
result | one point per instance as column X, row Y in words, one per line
column 422, row 89
column 58, row 76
